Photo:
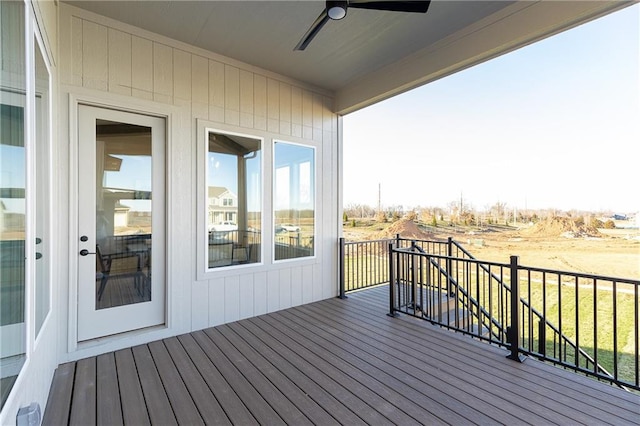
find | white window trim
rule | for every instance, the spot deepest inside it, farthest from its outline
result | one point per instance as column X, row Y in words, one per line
column 315, row 203
column 203, row 128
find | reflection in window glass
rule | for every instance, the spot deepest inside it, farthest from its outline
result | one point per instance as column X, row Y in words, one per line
column 12, row 195
column 294, row 201
column 124, row 207
column 234, row 200
column 42, row 191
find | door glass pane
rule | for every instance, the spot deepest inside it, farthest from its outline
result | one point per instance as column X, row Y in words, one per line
column 12, row 194
column 294, row 201
column 123, row 214
column 234, row 200
column 42, row 189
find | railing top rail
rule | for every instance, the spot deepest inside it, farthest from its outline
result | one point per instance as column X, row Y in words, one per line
column 462, row 249
column 418, row 240
column 383, row 240
column 618, row 280
column 408, row 250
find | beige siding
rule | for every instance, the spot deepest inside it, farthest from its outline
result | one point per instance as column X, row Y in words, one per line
column 182, row 81
column 119, row 62
column 162, row 73
column 105, row 56
column 142, row 68
column 246, row 99
column 199, row 87
column 216, row 91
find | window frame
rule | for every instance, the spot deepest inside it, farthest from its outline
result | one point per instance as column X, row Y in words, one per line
column 204, row 128
column 315, row 192
column 34, row 328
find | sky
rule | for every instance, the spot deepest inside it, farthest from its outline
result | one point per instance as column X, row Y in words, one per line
column 555, row 124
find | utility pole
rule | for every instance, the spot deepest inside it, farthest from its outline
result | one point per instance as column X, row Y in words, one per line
column 379, row 198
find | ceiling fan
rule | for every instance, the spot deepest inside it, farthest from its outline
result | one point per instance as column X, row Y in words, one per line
column 336, row 10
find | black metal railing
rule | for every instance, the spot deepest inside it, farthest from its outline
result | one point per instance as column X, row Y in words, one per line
column 365, row 264
column 587, row 323
column 584, row 322
column 293, row 246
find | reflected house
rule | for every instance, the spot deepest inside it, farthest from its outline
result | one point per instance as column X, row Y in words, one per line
column 222, row 205
column 11, row 223
column 121, row 215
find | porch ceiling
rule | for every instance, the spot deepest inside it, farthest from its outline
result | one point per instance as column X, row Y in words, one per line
column 368, row 56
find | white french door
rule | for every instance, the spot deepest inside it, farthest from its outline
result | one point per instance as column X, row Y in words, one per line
column 121, row 221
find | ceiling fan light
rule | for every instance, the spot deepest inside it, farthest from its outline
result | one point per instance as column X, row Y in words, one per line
column 336, row 9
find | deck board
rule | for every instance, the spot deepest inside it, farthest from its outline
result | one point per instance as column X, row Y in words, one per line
column 109, row 408
column 134, row 409
column 269, row 392
column 565, row 398
column 155, row 395
column 250, row 348
column 249, row 395
column 316, row 393
column 57, row 408
column 330, row 362
column 383, row 398
column 181, row 401
column 83, row 406
column 418, row 364
column 206, row 403
column 235, row 409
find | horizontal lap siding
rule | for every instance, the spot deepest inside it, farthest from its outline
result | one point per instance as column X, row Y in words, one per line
column 102, row 55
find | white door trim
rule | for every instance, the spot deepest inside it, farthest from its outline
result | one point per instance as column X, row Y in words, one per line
column 177, row 119
column 96, row 323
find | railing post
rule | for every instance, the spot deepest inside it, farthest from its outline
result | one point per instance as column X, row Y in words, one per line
column 449, row 266
column 542, row 338
column 398, row 240
column 341, row 268
column 414, row 278
column 513, row 331
column 392, row 299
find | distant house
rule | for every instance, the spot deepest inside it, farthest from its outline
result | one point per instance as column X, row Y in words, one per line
column 222, row 205
column 121, row 215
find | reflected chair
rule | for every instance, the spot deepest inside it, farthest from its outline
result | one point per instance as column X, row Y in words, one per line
column 119, row 265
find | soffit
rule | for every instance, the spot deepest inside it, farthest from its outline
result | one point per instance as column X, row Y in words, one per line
column 369, row 55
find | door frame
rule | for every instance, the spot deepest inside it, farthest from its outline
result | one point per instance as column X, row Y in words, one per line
column 176, row 120
column 94, row 323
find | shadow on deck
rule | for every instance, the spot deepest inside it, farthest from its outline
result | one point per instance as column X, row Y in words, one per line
column 329, row 362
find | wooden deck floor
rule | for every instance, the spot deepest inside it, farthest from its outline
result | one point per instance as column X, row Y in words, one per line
column 330, row 362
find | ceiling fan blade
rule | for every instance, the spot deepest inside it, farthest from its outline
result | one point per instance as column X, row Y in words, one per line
column 394, row 6
column 313, row 31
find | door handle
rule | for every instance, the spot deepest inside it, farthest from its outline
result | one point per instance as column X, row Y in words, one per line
column 85, row 252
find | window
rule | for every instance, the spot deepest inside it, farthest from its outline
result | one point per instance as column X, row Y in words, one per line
column 293, row 201
column 43, row 189
column 234, row 199
column 14, row 193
